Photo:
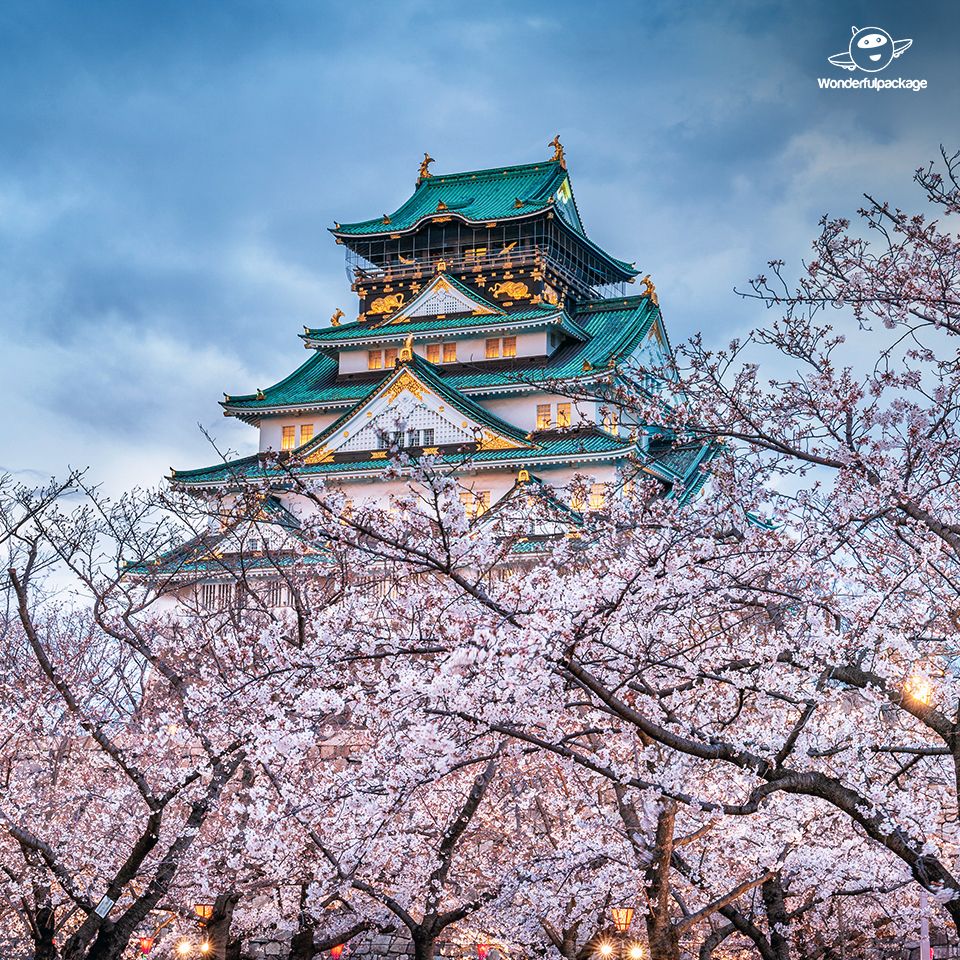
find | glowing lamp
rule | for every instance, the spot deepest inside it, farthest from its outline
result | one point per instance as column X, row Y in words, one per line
column 636, row 952
column 183, row 947
column 204, row 910
column 146, row 945
column 482, row 950
column 336, row 951
column 621, row 918
column 606, row 949
column 204, row 947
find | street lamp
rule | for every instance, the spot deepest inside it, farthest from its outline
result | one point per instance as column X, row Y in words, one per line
column 204, row 910
column 621, row 918
column 482, row 950
column 146, row 945
column 336, row 951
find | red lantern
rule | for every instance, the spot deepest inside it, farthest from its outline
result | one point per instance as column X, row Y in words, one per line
column 336, row 951
column 621, row 918
column 204, row 910
column 482, row 950
column 146, row 944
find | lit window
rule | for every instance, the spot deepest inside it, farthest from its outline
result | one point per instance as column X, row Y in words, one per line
column 389, row 359
column 449, row 353
column 563, row 414
column 509, row 346
column 474, row 253
column 543, row 416
column 475, row 502
column 610, row 420
column 428, row 437
column 289, row 440
column 597, row 494
column 493, row 349
column 374, row 359
column 306, row 433
column 433, row 352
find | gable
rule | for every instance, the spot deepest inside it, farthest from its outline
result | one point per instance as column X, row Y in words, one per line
column 406, row 403
column 441, row 296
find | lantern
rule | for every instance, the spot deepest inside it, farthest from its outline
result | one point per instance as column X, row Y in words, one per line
column 336, row 951
column 146, row 944
column 621, row 918
column 482, row 950
column 204, row 910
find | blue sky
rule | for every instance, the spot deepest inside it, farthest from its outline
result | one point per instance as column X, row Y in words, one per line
column 168, row 172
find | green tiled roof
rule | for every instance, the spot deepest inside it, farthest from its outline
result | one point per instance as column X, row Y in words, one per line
column 595, row 444
column 482, row 196
column 478, row 196
column 386, row 330
column 615, row 327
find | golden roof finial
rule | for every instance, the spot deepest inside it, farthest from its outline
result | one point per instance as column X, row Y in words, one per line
column 523, row 476
column 335, row 319
column 406, row 351
column 650, row 291
column 425, row 167
column 558, row 151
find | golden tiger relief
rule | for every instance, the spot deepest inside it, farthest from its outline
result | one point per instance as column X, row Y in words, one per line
column 515, row 291
column 387, row 304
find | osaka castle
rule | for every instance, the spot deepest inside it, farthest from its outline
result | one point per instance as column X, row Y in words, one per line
column 486, row 320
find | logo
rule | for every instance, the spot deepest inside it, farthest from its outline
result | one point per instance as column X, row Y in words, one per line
column 871, row 49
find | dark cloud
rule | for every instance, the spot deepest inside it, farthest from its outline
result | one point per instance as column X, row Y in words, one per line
column 168, row 172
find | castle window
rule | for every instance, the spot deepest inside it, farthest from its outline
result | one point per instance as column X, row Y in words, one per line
column 543, row 416
column 374, row 359
column 449, row 353
column 610, row 420
column 474, row 253
column 597, row 496
column 509, row 346
column 413, row 438
column 493, row 349
column 428, row 437
column 289, row 438
column 475, row 502
column 433, row 352
column 396, row 438
column 390, row 358
column 306, row 433
column 563, row 414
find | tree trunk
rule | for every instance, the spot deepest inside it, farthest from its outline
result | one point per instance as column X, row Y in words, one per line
column 424, row 946
column 45, row 924
column 778, row 919
column 661, row 933
column 218, row 926
column 301, row 947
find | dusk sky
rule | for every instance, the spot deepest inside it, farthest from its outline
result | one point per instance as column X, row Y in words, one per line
column 168, row 172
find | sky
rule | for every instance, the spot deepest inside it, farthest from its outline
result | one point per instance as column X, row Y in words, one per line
column 169, row 171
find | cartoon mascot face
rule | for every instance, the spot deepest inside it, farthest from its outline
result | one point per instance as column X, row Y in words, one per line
column 871, row 49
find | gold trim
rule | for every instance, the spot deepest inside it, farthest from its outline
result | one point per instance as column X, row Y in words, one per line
column 512, row 289
column 494, row 441
column 322, row 455
column 387, row 304
column 558, row 151
column 425, row 167
column 335, row 319
column 406, row 381
column 378, row 455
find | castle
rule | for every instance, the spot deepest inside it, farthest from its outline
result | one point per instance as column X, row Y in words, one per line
column 486, row 316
